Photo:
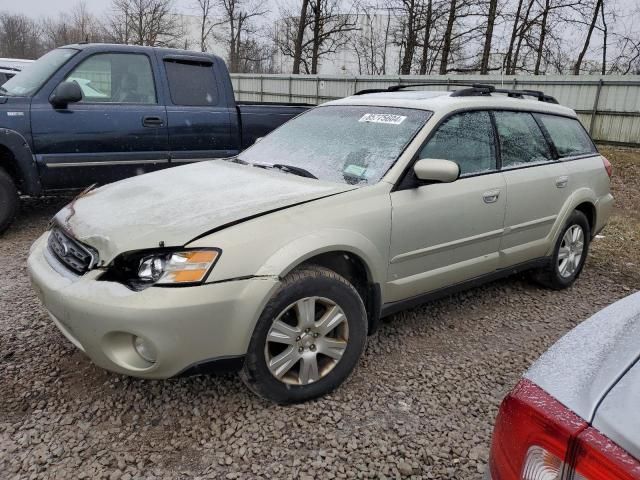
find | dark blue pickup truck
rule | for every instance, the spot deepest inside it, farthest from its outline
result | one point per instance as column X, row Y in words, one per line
column 97, row 113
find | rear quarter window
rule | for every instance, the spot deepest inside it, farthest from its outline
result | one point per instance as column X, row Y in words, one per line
column 191, row 84
column 568, row 135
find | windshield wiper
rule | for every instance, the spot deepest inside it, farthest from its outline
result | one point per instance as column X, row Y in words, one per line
column 301, row 172
column 3, row 91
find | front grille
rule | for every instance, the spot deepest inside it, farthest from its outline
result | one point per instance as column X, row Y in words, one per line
column 74, row 255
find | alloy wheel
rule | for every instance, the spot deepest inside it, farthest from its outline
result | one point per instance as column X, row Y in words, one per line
column 571, row 249
column 306, row 341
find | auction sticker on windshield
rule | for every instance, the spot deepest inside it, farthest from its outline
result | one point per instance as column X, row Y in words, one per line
column 382, row 118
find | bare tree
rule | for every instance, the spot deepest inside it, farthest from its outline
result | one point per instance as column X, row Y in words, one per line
column 237, row 17
column 77, row 25
column 326, row 31
column 488, row 38
column 146, row 22
column 302, row 25
column 19, row 36
column 371, row 42
column 585, row 46
column 204, row 8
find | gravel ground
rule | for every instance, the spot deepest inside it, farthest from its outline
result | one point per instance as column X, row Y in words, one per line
column 422, row 402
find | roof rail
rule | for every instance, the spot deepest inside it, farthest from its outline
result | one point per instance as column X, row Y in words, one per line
column 473, row 90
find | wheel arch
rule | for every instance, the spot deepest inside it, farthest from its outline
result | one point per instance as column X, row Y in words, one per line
column 354, row 257
column 16, row 158
column 584, row 200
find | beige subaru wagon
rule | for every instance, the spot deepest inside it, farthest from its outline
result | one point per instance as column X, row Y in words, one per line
column 280, row 261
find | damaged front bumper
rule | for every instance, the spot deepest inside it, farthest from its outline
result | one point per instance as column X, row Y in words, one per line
column 183, row 326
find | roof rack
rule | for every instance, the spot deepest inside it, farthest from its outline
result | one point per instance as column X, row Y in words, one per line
column 473, row 90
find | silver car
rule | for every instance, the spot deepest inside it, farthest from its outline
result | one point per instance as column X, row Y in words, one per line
column 574, row 415
column 280, row 261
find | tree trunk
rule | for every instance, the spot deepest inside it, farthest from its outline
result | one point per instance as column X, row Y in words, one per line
column 520, row 36
column 425, row 42
column 302, row 25
column 446, row 46
column 410, row 48
column 543, row 34
column 604, row 40
column 594, row 19
column 317, row 30
column 491, row 19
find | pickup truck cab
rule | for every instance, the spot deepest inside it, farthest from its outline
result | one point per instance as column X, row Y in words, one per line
column 97, row 113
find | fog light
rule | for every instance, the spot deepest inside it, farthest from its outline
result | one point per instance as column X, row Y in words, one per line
column 145, row 349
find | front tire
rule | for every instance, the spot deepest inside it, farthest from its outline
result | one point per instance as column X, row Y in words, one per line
column 9, row 200
column 569, row 254
column 308, row 339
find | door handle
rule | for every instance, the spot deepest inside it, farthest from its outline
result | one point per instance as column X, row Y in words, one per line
column 491, row 196
column 562, row 181
column 152, row 122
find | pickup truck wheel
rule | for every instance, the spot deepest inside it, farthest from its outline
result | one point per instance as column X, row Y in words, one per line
column 308, row 339
column 8, row 200
column 569, row 254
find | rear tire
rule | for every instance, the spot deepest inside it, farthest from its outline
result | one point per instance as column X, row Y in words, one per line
column 9, row 200
column 308, row 339
column 569, row 254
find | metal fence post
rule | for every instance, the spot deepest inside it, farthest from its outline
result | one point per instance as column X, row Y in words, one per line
column 318, row 90
column 262, row 88
column 594, row 111
column 290, row 87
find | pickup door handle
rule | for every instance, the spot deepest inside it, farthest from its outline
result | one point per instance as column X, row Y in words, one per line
column 491, row 196
column 152, row 122
column 562, row 181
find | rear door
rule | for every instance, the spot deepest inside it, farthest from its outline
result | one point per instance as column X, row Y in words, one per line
column 118, row 130
column 445, row 233
column 537, row 186
column 199, row 114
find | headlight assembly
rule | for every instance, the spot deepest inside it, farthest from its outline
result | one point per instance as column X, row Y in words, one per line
column 139, row 270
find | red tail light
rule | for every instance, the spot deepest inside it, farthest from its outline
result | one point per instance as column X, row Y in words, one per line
column 598, row 458
column 532, row 434
column 607, row 166
column 538, row 438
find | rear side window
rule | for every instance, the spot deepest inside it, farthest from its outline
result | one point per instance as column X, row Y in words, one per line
column 464, row 138
column 191, row 84
column 567, row 135
column 521, row 140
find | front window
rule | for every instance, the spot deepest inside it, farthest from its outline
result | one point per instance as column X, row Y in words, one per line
column 115, row 78
column 346, row 144
column 30, row 80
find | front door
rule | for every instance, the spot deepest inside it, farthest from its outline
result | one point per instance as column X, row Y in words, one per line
column 445, row 233
column 118, row 130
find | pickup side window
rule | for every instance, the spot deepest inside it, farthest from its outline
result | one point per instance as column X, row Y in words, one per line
column 191, row 83
column 521, row 140
column 568, row 135
column 115, row 78
column 465, row 138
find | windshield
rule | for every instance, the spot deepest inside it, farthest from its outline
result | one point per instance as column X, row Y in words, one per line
column 33, row 77
column 346, row 144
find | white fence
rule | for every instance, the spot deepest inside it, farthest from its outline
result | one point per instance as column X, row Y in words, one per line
column 608, row 106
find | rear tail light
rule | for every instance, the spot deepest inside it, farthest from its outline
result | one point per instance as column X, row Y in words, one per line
column 607, row 166
column 538, row 438
column 598, row 458
column 531, row 436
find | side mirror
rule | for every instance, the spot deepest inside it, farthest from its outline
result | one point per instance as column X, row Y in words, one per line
column 436, row 170
column 65, row 93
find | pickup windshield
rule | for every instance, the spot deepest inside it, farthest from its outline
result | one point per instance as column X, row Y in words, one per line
column 341, row 143
column 30, row 80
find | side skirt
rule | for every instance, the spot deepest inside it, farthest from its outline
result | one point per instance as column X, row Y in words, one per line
column 395, row 307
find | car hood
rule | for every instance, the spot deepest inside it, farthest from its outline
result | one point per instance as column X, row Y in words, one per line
column 176, row 205
column 583, row 366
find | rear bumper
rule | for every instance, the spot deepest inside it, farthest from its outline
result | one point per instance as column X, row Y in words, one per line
column 604, row 207
column 186, row 327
